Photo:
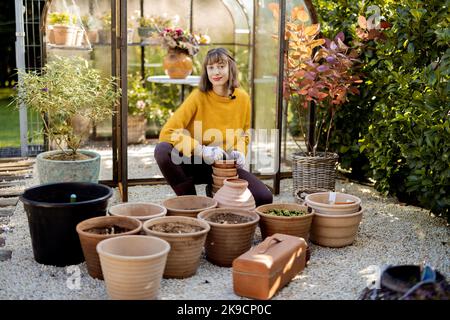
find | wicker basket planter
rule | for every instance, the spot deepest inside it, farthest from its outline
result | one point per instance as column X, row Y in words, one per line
column 317, row 172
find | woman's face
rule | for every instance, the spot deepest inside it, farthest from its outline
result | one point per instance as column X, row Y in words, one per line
column 218, row 73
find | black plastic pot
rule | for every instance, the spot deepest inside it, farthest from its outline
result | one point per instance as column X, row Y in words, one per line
column 52, row 218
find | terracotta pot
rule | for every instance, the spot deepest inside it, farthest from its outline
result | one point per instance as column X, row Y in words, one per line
column 215, row 188
column 104, row 36
column 136, row 128
column 186, row 248
column 235, row 194
column 345, row 203
column 142, row 211
column 93, row 36
column 225, row 164
column 188, row 206
column 133, row 266
column 90, row 240
column 332, row 230
column 64, row 35
column 51, row 35
column 218, row 181
column 220, row 172
column 225, row 242
column 177, row 64
column 295, row 226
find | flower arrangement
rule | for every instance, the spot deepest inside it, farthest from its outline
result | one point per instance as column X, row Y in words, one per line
column 178, row 39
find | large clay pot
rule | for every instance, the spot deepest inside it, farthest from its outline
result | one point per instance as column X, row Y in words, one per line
column 333, row 230
column 344, row 203
column 177, row 64
column 298, row 226
column 188, row 206
column 53, row 218
column 142, row 211
column 89, row 239
column 136, row 128
column 185, row 248
column 225, row 242
column 235, row 194
column 133, row 266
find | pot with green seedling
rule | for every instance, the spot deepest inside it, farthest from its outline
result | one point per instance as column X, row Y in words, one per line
column 287, row 218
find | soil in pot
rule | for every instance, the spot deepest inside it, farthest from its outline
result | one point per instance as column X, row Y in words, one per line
column 228, row 218
column 175, row 227
column 108, row 230
column 68, row 156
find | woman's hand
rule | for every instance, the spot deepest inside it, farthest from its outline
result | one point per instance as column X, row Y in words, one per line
column 211, row 154
column 239, row 157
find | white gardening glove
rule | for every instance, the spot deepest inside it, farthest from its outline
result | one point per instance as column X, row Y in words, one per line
column 239, row 157
column 211, row 154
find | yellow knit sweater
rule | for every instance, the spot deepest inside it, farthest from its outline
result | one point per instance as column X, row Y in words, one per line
column 209, row 119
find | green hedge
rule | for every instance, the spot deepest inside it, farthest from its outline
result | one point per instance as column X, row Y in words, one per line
column 399, row 126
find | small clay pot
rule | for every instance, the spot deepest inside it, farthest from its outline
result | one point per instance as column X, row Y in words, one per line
column 218, row 181
column 235, row 194
column 140, row 210
column 225, row 164
column 219, row 172
column 186, row 248
column 188, row 206
column 225, row 242
column 89, row 240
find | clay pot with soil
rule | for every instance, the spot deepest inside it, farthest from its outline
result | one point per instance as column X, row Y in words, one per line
column 188, row 206
column 186, row 237
column 133, row 266
column 286, row 218
column 142, row 211
column 94, row 230
column 231, row 234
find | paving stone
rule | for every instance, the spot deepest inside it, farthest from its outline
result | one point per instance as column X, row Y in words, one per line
column 5, row 255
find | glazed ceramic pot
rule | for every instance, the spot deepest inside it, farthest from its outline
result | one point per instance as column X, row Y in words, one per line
column 235, row 194
column 133, row 266
column 186, row 247
column 333, row 230
column 92, row 231
column 225, row 242
column 177, row 64
column 298, row 226
column 51, row 171
column 344, row 203
column 140, row 210
column 188, row 206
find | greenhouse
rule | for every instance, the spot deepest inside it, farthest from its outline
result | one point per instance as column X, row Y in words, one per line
column 225, row 150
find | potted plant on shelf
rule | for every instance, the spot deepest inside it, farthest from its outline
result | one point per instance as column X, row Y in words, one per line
column 62, row 30
column 91, row 24
column 104, row 34
column 319, row 71
column 151, row 25
column 181, row 46
column 65, row 88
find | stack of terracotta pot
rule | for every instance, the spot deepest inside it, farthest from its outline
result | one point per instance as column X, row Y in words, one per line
column 336, row 218
column 223, row 169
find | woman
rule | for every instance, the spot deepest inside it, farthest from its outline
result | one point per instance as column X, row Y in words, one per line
column 211, row 124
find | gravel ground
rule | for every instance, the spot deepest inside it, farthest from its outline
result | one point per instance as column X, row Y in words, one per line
column 390, row 233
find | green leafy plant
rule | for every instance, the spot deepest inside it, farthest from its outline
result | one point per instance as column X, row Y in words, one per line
column 139, row 97
column 106, row 20
column 286, row 213
column 90, row 22
column 65, row 88
column 61, row 18
column 318, row 70
column 157, row 22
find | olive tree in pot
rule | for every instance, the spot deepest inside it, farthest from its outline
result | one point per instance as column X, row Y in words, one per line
column 320, row 71
column 66, row 88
